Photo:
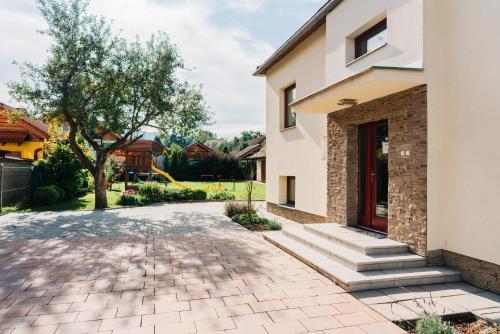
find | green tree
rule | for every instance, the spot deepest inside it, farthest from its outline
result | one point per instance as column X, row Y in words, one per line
column 99, row 83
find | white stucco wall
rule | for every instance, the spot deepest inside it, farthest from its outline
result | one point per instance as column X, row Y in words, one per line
column 462, row 66
column 351, row 17
column 297, row 151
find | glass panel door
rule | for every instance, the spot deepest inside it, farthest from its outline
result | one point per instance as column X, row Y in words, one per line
column 373, row 175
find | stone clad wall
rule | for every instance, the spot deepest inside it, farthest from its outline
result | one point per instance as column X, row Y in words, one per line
column 294, row 214
column 406, row 113
column 483, row 274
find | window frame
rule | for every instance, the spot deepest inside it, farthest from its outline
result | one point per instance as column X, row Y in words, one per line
column 288, row 179
column 365, row 36
column 287, row 109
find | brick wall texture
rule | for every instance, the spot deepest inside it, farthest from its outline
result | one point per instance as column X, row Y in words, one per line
column 295, row 215
column 406, row 113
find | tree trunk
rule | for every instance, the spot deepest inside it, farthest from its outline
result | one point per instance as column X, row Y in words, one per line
column 101, row 201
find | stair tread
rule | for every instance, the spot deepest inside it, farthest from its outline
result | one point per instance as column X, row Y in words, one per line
column 352, row 255
column 353, row 278
column 357, row 239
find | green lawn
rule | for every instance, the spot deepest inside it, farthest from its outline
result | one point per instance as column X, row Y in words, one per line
column 87, row 202
column 237, row 188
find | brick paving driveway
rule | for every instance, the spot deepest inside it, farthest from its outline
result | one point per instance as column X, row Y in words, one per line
column 177, row 268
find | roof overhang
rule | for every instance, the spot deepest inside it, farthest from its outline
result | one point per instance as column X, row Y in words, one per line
column 316, row 21
column 373, row 83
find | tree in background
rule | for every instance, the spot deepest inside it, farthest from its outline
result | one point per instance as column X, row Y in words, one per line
column 61, row 167
column 94, row 80
column 210, row 139
column 249, row 176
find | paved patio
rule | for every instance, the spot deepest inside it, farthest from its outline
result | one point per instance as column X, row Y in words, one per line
column 176, row 268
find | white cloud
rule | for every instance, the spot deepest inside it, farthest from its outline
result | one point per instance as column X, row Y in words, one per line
column 223, row 59
column 246, row 5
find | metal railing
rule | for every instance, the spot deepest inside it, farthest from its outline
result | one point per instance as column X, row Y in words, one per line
column 14, row 179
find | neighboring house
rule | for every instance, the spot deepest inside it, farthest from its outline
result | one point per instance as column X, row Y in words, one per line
column 22, row 138
column 253, row 146
column 256, row 150
column 260, row 163
column 196, row 151
column 384, row 114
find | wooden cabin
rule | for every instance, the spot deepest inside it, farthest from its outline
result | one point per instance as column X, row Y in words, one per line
column 22, row 138
column 138, row 158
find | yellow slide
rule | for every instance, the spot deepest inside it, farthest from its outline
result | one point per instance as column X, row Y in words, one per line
column 170, row 178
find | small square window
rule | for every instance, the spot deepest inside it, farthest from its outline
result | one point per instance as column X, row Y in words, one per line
column 290, row 96
column 371, row 39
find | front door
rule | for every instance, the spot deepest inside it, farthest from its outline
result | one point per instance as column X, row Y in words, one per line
column 373, row 175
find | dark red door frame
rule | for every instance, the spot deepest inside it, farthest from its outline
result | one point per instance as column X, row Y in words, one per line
column 367, row 147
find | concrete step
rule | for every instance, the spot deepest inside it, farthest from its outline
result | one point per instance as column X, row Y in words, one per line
column 352, row 280
column 357, row 241
column 354, row 259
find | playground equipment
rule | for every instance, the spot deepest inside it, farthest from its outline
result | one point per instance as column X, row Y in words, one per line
column 169, row 177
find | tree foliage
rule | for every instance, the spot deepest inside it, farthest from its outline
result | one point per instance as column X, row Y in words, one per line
column 94, row 80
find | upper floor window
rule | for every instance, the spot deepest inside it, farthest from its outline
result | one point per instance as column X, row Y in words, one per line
column 290, row 96
column 371, row 39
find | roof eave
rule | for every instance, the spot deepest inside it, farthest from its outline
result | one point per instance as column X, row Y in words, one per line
column 300, row 35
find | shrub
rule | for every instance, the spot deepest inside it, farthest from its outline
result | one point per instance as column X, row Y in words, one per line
column 199, row 195
column 274, row 225
column 46, row 195
column 433, row 324
column 252, row 220
column 236, row 208
column 152, row 192
column 60, row 192
column 130, row 200
column 223, row 196
column 249, row 219
column 61, row 168
column 170, row 195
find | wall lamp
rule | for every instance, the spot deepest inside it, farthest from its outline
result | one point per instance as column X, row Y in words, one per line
column 347, row 102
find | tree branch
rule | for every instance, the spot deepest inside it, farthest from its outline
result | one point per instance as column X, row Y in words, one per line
column 78, row 151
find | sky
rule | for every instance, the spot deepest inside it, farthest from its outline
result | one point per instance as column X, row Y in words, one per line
column 221, row 42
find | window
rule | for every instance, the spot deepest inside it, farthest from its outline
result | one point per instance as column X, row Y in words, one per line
column 290, row 95
column 290, row 190
column 371, row 39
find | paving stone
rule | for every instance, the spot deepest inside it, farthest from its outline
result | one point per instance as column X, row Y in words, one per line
column 321, row 323
column 247, row 330
column 287, row 315
column 373, row 297
column 269, row 305
column 352, row 319
column 382, row 327
column 181, row 328
column 48, row 329
column 17, row 322
column 319, row 311
column 120, row 323
column 79, row 327
column 109, row 313
column 346, row 330
column 233, row 310
column 52, row 319
column 200, row 314
column 251, row 320
column 287, row 327
column 212, row 325
column 160, row 319
column 395, row 312
column 473, row 301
